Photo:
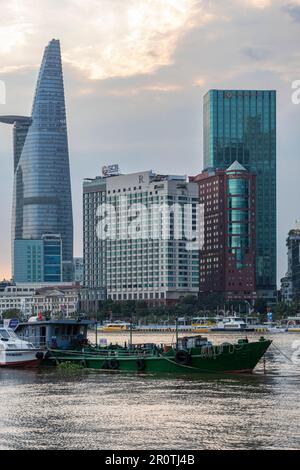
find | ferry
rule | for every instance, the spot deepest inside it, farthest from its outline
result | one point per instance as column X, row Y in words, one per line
column 115, row 326
column 201, row 325
column 293, row 324
column 232, row 324
column 15, row 352
column 275, row 328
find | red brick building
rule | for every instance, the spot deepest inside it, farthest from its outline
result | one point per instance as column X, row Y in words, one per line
column 227, row 259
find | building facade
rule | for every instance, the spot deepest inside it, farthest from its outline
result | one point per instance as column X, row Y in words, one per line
column 293, row 253
column 38, row 261
column 286, row 289
column 241, row 125
column 42, row 189
column 146, row 258
column 94, row 252
column 62, row 302
column 227, row 259
column 78, row 270
column 17, row 298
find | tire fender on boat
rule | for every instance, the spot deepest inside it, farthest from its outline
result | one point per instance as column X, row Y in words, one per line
column 114, row 364
column 183, row 357
column 141, row 364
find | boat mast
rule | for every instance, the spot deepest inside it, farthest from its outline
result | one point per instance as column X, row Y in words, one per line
column 176, row 330
column 130, row 332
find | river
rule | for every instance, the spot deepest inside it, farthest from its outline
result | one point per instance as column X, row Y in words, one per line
column 48, row 408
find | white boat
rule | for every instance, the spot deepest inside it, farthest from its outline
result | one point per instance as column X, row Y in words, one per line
column 234, row 324
column 293, row 324
column 14, row 352
column 274, row 328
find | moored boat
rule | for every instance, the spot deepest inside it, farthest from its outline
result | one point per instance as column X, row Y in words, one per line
column 14, row 352
column 233, row 324
column 293, row 324
column 114, row 327
column 193, row 354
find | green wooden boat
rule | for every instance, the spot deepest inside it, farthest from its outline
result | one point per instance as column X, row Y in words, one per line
column 190, row 355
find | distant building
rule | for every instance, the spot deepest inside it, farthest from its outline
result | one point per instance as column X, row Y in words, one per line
column 17, row 298
column 38, row 261
column 4, row 284
column 32, row 299
column 94, row 254
column 241, row 125
column 293, row 274
column 152, row 264
column 78, row 270
column 42, row 189
column 227, row 259
column 286, row 290
column 63, row 301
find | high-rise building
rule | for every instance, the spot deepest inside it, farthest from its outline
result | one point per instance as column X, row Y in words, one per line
column 78, row 270
column 148, row 258
column 151, row 264
column 241, row 125
column 291, row 283
column 94, row 254
column 227, row 258
column 38, row 261
column 42, row 201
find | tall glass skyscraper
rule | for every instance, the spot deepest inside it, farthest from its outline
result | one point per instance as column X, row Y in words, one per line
column 241, row 125
column 42, row 203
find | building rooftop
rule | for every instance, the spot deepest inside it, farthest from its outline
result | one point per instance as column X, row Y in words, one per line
column 236, row 166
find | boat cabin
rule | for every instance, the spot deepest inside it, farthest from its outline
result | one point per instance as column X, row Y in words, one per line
column 189, row 342
column 54, row 334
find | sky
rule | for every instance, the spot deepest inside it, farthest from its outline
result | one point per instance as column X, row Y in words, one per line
column 135, row 73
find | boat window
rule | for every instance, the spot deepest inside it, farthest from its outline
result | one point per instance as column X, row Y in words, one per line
column 4, row 334
column 12, row 334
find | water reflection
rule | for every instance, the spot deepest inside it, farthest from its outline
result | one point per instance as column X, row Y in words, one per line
column 94, row 410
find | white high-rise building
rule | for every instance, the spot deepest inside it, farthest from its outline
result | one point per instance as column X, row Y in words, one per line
column 148, row 231
column 94, row 259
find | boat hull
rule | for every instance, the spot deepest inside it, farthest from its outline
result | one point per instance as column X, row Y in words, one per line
column 26, row 358
column 239, row 358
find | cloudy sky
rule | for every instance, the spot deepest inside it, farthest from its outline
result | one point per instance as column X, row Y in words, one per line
column 135, row 74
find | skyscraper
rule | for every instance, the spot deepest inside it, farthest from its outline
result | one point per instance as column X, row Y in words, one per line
column 241, row 125
column 292, row 279
column 42, row 203
column 152, row 264
column 94, row 249
column 227, row 258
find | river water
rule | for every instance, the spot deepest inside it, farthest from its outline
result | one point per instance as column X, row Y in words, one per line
column 54, row 409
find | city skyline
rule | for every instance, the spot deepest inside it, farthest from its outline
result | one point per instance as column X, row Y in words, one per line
column 147, row 112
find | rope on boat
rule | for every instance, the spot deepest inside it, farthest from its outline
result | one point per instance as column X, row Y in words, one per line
column 281, row 352
column 176, row 363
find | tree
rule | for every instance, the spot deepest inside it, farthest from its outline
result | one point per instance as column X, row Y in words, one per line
column 261, row 306
column 12, row 313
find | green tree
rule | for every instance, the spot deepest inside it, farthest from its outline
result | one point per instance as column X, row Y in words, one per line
column 12, row 313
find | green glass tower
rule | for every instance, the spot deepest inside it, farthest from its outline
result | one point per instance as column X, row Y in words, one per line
column 241, row 125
